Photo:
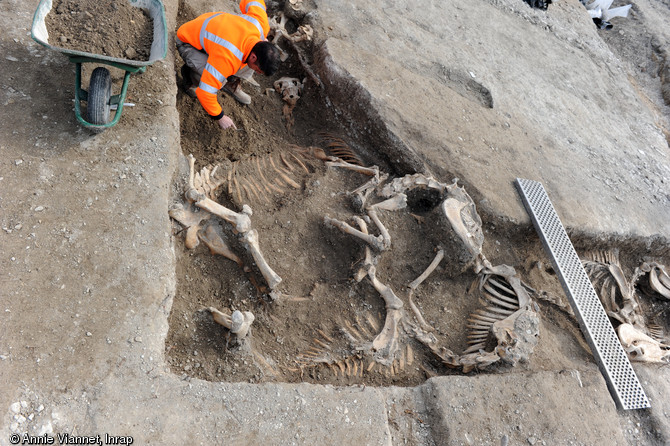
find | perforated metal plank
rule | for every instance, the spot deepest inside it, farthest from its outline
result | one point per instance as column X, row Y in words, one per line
column 621, row 379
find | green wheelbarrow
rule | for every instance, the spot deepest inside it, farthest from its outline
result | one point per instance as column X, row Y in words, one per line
column 99, row 96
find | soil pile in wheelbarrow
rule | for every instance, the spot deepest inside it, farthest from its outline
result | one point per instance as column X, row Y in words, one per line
column 109, row 28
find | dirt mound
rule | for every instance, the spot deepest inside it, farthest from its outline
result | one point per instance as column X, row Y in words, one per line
column 114, row 29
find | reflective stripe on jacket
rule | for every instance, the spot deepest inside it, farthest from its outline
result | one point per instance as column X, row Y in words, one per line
column 227, row 39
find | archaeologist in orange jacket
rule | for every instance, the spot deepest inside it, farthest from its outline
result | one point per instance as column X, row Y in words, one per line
column 220, row 49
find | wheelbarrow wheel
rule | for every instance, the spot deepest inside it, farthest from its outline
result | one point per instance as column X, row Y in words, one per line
column 99, row 93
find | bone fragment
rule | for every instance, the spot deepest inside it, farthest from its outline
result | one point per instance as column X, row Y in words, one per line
column 238, row 323
column 212, row 238
column 375, row 242
column 436, row 261
column 659, row 279
column 336, row 162
column 386, row 237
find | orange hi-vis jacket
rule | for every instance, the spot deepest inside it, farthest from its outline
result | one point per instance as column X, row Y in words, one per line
column 227, row 39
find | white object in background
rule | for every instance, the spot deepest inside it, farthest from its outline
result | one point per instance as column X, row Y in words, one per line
column 600, row 9
column 621, row 11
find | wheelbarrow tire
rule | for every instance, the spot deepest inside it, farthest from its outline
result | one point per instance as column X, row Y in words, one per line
column 99, row 93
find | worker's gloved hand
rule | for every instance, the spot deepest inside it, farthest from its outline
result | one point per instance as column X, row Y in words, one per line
column 225, row 123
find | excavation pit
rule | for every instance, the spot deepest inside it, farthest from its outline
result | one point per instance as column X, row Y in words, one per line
column 305, row 335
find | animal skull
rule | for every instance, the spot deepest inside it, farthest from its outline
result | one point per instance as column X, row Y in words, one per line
column 290, row 89
column 641, row 347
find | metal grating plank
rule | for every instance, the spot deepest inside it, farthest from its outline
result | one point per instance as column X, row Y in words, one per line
column 621, row 379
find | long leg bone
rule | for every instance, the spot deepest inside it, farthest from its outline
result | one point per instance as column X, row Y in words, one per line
column 370, row 171
column 363, row 271
column 386, row 343
column 415, row 284
column 240, row 221
column 251, row 240
column 376, row 242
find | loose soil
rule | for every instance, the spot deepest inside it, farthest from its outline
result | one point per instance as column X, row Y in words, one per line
column 319, row 297
column 114, row 29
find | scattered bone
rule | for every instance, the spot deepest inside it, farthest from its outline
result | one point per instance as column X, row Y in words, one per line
column 304, row 33
column 238, row 323
column 296, row 4
column 506, row 300
column 278, row 27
